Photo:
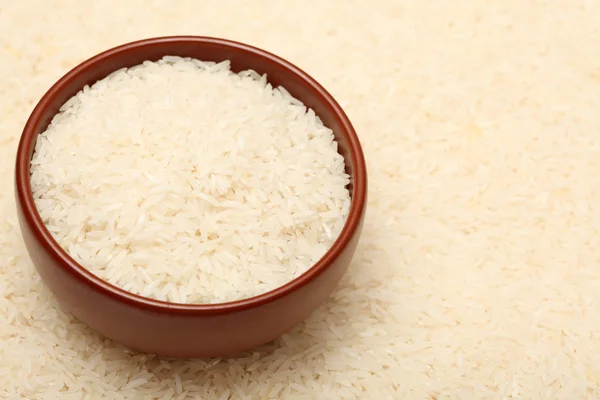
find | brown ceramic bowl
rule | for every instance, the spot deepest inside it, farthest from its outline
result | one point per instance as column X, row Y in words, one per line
column 184, row 330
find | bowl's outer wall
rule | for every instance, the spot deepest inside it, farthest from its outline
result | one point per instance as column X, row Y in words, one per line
column 186, row 334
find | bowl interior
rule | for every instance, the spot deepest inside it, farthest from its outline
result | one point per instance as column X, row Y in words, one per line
column 242, row 57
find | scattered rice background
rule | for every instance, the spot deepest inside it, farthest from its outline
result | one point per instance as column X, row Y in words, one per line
column 478, row 273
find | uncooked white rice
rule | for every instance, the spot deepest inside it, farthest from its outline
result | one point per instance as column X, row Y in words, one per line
column 477, row 273
column 182, row 181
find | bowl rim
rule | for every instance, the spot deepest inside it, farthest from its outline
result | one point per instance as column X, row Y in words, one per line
column 69, row 265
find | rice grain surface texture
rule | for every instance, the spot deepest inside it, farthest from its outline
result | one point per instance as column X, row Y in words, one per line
column 182, row 181
column 477, row 276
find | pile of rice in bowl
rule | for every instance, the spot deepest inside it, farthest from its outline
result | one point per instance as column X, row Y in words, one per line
column 183, row 181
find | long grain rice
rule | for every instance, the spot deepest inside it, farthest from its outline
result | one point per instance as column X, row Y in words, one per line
column 182, row 181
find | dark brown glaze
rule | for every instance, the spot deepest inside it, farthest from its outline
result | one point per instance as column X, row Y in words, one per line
column 186, row 330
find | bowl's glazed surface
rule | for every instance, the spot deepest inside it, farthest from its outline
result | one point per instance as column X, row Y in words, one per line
column 188, row 330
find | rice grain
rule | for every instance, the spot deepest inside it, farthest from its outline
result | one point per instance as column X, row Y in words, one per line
column 183, row 181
